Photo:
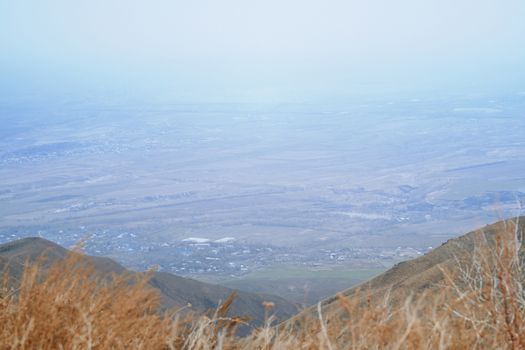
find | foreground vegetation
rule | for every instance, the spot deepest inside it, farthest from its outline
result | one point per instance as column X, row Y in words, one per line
column 478, row 304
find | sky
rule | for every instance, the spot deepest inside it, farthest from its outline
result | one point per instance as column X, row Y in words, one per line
column 258, row 51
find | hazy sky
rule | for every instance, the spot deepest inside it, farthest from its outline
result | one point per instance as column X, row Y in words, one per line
column 271, row 50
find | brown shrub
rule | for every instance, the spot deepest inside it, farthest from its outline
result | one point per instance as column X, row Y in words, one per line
column 479, row 305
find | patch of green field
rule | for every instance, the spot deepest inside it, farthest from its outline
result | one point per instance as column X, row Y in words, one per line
column 294, row 271
column 301, row 284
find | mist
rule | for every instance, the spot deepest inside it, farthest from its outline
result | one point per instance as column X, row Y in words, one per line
column 290, row 147
column 258, row 51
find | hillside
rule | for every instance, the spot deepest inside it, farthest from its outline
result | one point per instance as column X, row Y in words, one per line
column 174, row 290
column 466, row 294
column 420, row 275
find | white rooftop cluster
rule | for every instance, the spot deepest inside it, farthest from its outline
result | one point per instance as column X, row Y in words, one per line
column 206, row 240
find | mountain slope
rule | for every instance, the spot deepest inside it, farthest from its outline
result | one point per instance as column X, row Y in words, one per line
column 421, row 274
column 174, row 290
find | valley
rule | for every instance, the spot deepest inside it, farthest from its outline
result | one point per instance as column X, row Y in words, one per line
column 228, row 192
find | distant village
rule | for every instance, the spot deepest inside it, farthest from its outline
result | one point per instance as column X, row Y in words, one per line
column 227, row 256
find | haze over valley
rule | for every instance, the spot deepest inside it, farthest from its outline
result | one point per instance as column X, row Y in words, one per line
column 293, row 147
column 225, row 191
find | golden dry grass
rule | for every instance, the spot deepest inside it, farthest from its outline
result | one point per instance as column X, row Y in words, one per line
column 478, row 305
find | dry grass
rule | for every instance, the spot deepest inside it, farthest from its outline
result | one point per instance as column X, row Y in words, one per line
column 479, row 305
